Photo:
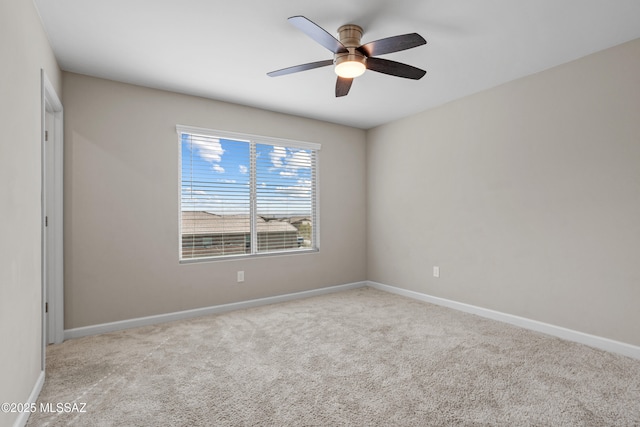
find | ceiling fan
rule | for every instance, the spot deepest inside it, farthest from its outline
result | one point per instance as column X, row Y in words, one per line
column 351, row 58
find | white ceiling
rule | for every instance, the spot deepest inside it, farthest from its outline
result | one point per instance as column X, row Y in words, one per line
column 222, row 49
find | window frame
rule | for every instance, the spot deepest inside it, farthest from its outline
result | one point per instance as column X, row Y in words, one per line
column 252, row 140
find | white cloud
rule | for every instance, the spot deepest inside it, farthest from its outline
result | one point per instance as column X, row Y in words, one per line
column 303, row 189
column 300, row 159
column 188, row 190
column 290, row 160
column 243, row 169
column 294, row 192
column 277, row 156
column 209, row 149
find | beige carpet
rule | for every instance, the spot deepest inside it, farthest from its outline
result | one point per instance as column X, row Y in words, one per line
column 361, row 357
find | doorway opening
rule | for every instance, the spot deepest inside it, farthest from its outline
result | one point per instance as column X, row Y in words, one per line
column 52, row 218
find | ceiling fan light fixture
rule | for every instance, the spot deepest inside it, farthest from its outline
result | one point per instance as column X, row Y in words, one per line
column 350, row 69
column 350, row 65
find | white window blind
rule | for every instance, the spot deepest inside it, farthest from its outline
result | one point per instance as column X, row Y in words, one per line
column 244, row 195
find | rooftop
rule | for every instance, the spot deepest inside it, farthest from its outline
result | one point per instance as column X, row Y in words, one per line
column 199, row 222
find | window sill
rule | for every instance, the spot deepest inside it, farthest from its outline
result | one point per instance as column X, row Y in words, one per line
column 247, row 256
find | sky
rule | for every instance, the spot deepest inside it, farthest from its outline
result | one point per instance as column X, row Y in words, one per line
column 220, row 170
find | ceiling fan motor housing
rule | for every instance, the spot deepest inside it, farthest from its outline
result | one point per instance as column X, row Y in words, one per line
column 350, row 36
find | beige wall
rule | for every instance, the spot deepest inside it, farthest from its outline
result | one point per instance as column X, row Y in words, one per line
column 121, row 205
column 526, row 195
column 24, row 51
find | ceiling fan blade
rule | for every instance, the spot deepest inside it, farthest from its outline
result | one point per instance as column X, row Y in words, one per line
column 342, row 86
column 302, row 67
column 392, row 44
column 394, row 68
column 318, row 34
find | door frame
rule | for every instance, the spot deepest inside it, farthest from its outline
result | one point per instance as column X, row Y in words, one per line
column 52, row 217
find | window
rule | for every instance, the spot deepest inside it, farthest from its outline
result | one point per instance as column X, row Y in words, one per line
column 245, row 195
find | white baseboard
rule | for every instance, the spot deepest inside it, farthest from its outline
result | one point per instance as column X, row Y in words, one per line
column 23, row 417
column 546, row 328
column 187, row 314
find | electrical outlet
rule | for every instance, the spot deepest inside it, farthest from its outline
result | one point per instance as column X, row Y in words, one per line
column 240, row 276
column 436, row 271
